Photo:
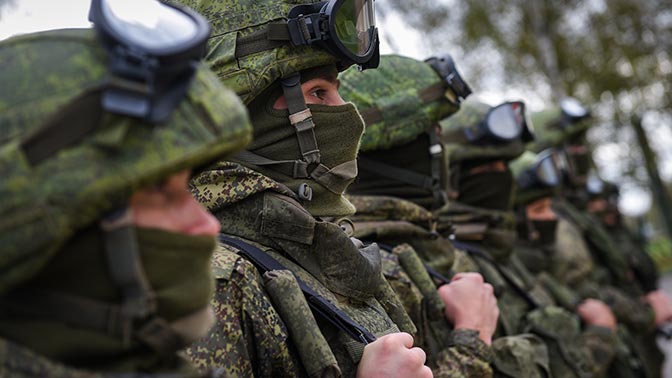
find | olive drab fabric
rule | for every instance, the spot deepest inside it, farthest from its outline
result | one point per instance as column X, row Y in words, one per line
column 44, row 204
column 338, row 130
column 399, row 100
column 235, row 24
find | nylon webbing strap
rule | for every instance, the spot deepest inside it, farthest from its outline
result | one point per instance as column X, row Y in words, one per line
column 435, row 153
column 262, row 40
column 317, row 303
column 293, row 168
column 433, row 92
column 396, row 173
column 125, row 267
column 478, row 252
column 65, row 127
column 301, row 118
column 431, row 271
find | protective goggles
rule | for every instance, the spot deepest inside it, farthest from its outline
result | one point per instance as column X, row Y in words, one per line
column 572, row 111
column 544, row 172
column 456, row 88
column 153, row 48
column 594, row 185
column 347, row 28
column 503, row 123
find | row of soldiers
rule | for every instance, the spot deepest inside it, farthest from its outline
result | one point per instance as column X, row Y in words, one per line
column 408, row 232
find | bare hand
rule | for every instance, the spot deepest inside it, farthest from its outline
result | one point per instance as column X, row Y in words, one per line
column 661, row 305
column 597, row 313
column 471, row 304
column 393, row 355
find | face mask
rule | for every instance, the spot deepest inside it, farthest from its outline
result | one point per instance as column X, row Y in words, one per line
column 338, row 131
column 488, row 190
column 543, row 232
column 177, row 268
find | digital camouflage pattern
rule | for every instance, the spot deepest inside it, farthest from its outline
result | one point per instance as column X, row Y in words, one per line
column 342, row 271
column 250, row 338
column 456, row 150
column 232, row 20
column 45, row 204
column 395, row 100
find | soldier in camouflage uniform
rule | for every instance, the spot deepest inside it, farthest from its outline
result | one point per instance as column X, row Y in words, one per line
column 388, row 176
column 478, row 142
column 588, row 259
column 401, row 101
column 279, row 205
column 105, row 256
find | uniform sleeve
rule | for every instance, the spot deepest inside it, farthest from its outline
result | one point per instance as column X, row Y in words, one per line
column 249, row 338
column 459, row 353
column 466, row 356
column 601, row 342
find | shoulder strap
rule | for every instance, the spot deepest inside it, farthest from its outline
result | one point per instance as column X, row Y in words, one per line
column 478, row 252
column 318, row 304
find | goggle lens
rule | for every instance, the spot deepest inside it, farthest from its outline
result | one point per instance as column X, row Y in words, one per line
column 149, row 24
column 506, row 121
column 355, row 24
column 547, row 172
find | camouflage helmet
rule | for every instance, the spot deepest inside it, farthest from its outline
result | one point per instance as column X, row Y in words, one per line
column 554, row 125
column 470, row 133
column 398, row 101
column 252, row 46
column 57, row 179
column 401, row 103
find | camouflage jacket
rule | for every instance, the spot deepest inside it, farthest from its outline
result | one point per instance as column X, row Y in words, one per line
column 19, row 362
column 256, row 334
column 393, row 221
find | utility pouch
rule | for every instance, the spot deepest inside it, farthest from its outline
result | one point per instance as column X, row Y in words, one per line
column 289, row 301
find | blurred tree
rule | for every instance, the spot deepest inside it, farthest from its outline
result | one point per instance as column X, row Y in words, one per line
column 612, row 54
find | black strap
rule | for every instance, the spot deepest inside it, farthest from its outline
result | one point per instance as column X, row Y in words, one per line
column 318, row 304
column 400, row 174
column 65, row 128
column 301, row 118
column 480, row 253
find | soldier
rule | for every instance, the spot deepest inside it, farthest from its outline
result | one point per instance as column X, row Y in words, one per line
column 402, row 177
column 401, row 102
column 280, row 201
column 478, row 142
column 105, row 255
column 588, row 259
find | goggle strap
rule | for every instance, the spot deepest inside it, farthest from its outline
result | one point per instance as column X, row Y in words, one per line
column 433, row 92
column 301, row 118
column 261, row 40
column 65, row 127
column 399, row 174
column 440, row 196
column 292, row 168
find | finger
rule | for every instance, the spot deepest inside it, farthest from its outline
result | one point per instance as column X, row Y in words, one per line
column 404, row 338
column 419, row 356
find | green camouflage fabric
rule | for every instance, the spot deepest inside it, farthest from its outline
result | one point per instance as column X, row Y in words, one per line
column 527, row 304
column 250, row 338
column 393, row 100
column 603, row 249
column 47, row 203
column 549, row 131
column 613, row 282
column 341, row 270
column 472, row 112
column 232, row 20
